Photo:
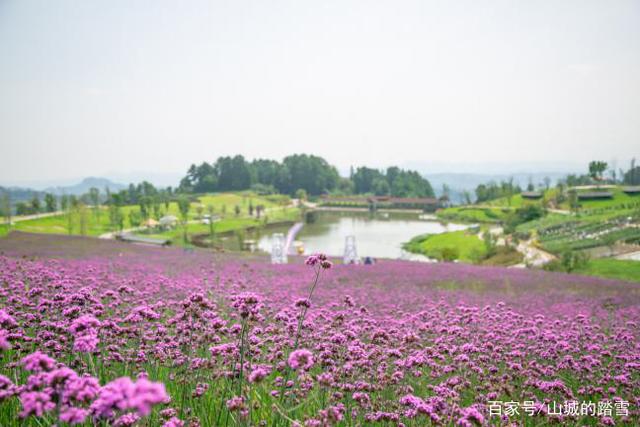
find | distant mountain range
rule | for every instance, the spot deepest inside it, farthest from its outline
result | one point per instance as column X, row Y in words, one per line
column 22, row 194
column 84, row 186
column 458, row 183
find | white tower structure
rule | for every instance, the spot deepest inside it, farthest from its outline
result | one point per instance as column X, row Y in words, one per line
column 350, row 251
column 278, row 254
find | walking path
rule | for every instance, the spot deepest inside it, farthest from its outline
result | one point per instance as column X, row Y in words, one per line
column 112, row 234
column 534, row 256
column 30, row 217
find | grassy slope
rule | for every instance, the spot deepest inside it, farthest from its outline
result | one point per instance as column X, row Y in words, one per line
column 591, row 212
column 618, row 198
column 612, row 268
column 516, row 202
column 228, row 224
column 469, row 246
column 99, row 224
column 471, row 214
column 548, row 220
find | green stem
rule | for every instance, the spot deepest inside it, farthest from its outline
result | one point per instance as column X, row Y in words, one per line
column 301, row 317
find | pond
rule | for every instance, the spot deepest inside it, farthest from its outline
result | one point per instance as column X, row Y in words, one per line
column 378, row 235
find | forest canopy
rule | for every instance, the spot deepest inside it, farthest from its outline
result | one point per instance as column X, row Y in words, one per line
column 310, row 173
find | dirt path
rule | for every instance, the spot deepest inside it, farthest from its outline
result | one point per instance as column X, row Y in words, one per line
column 30, row 217
column 534, row 256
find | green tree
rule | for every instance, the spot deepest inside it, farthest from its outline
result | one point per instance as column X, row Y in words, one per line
column 632, row 176
column 157, row 207
column 50, row 202
column 35, row 204
column 184, row 205
column 64, row 202
column 6, row 207
column 381, row 187
column 144, row 202
column 573, row 260
column 574, row 204
column 83, row 219
column 233, row 173
column 94, row 197
column 212, row 226
column 467, row 197
column 22, row 209
column 560, row 196
column 489, row 244
column 364, row 177
column 311, row 173
column 410, row 184
column 135, row 218
column 116, row 218
column 596, row 169
column 530, row 186
column 73, row 202
column 446, row 191
column 301, row 194
column 70, row 220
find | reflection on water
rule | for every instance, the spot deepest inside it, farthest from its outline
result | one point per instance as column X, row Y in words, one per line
column 378, row 236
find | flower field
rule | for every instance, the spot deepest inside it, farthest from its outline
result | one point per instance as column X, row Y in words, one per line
column 101, row 333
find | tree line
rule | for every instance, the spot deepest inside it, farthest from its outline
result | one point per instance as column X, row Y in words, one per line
column 310, row 174
column 598, row 172
column 144, row 194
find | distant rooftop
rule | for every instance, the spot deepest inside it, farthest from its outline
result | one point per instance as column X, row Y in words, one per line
column 595, row 195
column 633, row 189
column 531, row 194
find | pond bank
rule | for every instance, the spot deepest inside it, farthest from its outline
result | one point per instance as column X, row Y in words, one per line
column 199, row 239
column 353, row 209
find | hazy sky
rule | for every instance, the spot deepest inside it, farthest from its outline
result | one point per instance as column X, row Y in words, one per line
column 105, row 87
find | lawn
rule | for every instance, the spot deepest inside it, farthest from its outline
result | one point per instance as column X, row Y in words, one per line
column 471, row 214
column 612, row 268
column 228, row 201
column 227, row 224
column 98, row 223
column 619, row 198
column 467, row 246
column 516, row 202
column 549, row 220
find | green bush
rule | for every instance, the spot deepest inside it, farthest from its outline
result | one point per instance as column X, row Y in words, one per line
column 568, row 262
column 449, row 254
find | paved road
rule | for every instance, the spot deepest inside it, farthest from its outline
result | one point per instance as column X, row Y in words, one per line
column 560, row 211
column 534, row 256
column 29, row 217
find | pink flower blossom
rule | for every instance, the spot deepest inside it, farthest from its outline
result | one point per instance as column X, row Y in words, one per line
column 38, row 362
column 74, row 415
column 301, row 359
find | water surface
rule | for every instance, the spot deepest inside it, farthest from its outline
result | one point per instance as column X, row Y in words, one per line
column 377, row 235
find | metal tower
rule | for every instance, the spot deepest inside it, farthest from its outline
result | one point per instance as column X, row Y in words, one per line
column 278, row 254
column 350, row 251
